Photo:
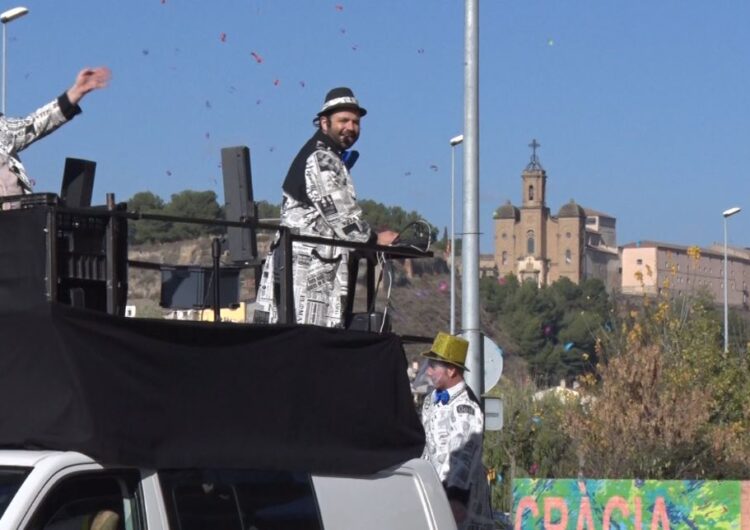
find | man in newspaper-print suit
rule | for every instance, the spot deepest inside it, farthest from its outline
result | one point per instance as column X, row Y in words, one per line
column 18, row 133
column 454, row 427
column 319, row 200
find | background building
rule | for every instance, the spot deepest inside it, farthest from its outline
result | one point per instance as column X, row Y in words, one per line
column 530, row 242
column 649, row 266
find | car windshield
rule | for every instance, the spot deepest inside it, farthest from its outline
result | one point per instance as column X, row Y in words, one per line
column 11, row 479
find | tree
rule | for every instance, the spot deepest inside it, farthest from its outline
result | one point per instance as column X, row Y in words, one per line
column 266, row 210
column 555, row 327
column 146, row 231
column 188, row 203
column 381, row 217
column 667, row 402
column 196, row 205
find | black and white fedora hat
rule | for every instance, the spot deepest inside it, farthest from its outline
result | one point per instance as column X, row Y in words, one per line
column 340, row 98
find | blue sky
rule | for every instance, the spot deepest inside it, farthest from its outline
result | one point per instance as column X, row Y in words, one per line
column 641, row 107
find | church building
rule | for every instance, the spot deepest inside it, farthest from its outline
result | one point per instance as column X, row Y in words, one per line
column 577, row 243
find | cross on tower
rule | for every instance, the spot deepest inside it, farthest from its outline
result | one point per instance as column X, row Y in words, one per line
column 534, row 163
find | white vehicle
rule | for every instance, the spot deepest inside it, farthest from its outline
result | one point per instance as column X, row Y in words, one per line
column 113, row 423
column 70, row 491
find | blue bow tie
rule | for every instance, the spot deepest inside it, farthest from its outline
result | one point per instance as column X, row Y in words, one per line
column 442, row 396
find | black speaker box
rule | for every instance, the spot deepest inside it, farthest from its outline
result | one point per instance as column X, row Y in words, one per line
column 49, row 255
column 78, row 183
column 238, row 201
column 370, row 322
column 186, row 287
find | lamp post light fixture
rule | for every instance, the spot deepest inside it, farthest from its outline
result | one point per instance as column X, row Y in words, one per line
column 727, row 214
column 8, row 16
column 456, row 140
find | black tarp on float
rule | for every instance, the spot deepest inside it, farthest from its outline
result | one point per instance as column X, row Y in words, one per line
column 163, row 394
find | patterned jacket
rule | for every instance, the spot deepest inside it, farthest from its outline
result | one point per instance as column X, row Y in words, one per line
column 453, row 445
column 18, row 133
column 319, row 200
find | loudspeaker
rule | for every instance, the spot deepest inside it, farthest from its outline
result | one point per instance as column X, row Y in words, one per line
column 51, row 255
column 238, row 202
column 186, row 287
column 370, row 322
column 78, row 183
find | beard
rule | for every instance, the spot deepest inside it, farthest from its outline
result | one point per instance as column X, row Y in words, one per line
column 347, row 140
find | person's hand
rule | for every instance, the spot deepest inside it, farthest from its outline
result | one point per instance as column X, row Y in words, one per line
column 87, row 80
column 459, row 510
column 386, row 237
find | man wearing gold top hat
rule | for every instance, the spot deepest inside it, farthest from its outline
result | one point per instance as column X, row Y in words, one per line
column 454, row 426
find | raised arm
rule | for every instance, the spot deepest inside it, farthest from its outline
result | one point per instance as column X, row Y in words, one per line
column 87, row 80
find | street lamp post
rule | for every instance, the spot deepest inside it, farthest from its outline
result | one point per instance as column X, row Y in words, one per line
column 727, row 214
column 5, row 17
column 456, row 140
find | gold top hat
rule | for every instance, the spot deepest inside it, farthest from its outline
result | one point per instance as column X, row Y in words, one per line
column 449, row 349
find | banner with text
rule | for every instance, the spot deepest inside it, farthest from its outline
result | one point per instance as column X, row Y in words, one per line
column 562, row 504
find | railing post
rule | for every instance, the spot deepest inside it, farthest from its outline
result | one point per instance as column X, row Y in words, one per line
column 113, row 280
column 286, row 289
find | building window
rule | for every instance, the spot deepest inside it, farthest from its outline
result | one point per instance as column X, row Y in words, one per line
column 504, row 235
column 567, row 234
column 531, row 193
column 568, row 256
column 639, row 261
column 530, row 242
column 504, row 259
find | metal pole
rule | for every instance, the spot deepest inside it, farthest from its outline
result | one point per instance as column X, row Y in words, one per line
column 3, row 109
column 727, row 214
column 726, row 303
column 470, row 239
column 453, row 239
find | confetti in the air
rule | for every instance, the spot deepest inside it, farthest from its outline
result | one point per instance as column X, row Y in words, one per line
column 271, row 149
column 144, row 52
column 343, row 31
column 302, row 84
column 223, row 37
column 354, row 47
column 257, row 57
column 420, row 51
column 208, row 104
column 339, row 7
column 163, row 1
column 276, row 82
column 550, row 42
column 208, row 136
column 407, row 174
column 443, row 286
column 433, row 167
column 232, row 89
column 169, row 173
column 258, row 101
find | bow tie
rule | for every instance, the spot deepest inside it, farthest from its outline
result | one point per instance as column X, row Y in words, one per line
column 442, row 396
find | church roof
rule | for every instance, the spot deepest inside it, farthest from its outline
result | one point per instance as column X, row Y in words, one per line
column 571, row 210
column 590, row 212
column 508, row 211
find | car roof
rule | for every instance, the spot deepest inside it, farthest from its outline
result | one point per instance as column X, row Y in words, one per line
column 29, row 458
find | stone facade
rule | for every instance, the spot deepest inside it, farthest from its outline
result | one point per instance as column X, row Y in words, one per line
column 534, row 245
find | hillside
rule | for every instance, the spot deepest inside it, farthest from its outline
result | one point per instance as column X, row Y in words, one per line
column 419, row 305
